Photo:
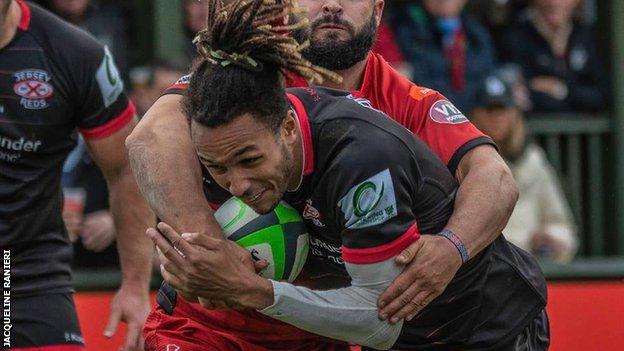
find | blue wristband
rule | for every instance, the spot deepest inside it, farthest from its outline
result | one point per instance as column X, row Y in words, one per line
column 457, row 242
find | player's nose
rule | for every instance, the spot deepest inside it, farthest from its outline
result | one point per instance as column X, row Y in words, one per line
column 332, row 7
column 239, row 184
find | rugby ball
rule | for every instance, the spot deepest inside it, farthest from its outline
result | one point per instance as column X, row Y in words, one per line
column 279, row 237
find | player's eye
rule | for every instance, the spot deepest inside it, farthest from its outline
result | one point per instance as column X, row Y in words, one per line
column 250, row 161
column 216, row 169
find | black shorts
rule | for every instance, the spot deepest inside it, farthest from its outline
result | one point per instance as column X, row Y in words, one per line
column 45, row 320
column 535, row 337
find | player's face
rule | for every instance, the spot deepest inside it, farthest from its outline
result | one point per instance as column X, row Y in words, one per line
column 341, row 32
column 248, row 159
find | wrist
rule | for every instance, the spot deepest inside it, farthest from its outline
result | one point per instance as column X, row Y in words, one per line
column 457, row 243
column 258, row 293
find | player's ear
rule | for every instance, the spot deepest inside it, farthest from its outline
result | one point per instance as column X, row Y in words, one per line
column 289, row 127
column 378, row 10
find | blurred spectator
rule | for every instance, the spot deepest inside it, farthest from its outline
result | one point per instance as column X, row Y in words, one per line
column 541, row 222
column 447, row 49
column 559, row 58
column 86, row 214
column 105, row 21
column 387, row 46
column 195, row 14
column 496, row 15
column 148, row 83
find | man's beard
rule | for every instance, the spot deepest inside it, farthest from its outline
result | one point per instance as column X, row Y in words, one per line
column 336, row 54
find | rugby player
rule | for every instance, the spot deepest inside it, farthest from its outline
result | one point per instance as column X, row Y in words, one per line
column 374, row 189
column 55, row 79
column 341, row 35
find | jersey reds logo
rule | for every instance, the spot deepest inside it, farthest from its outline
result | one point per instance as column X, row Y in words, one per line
column 33, row 86
column 311, row 213
column 32, row 89
column 443, row 111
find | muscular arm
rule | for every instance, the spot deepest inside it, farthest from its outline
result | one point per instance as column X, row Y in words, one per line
column 132, row 217
column 168, row 173
column 131, row 214
column 486, row 197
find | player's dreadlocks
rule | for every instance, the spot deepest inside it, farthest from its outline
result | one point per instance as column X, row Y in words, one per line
column 244, row 56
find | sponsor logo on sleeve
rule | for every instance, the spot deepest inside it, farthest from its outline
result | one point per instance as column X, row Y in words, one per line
column 108, row 79
column 34, row 88
column 369, row 203
column 418, row 93
column 443, row 111
column 310, row 212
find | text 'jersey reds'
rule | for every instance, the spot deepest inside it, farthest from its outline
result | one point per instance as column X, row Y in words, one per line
column 54, row 78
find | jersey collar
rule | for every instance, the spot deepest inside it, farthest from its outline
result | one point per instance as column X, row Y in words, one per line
column 306, row 134
column 25, row 20
column 367, row 80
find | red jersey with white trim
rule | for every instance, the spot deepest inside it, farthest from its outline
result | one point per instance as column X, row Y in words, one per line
column 425, row 112
column 54, row 79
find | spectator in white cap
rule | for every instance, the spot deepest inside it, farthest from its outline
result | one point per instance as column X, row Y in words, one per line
column 541, row 221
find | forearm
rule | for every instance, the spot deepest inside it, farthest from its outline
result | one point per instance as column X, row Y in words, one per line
column 485, row 200
column 348, row 314
column 168, row 173
column 132, row 217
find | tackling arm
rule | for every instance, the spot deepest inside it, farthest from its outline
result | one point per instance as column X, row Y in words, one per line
column 168, row 173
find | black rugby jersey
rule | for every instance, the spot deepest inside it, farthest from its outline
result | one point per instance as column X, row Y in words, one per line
column 54, row 78
column 370, row 189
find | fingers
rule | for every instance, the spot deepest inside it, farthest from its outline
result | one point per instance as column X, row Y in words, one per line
column 399, row 293
column 260, row 265
column 113, row 322
column 174, row 238
column 406, row 256
column 202, row 240
column 413, row 306
column 165, row 247
column 132, row 337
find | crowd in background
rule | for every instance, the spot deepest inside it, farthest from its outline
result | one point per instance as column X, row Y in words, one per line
column 498, row 61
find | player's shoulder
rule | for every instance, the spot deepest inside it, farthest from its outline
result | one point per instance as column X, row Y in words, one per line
column 382, row 79
column 60, row 39
column 340, row 120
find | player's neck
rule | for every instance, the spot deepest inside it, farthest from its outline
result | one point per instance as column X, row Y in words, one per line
column 9, row 24
column 351, row 77
column 299, row 161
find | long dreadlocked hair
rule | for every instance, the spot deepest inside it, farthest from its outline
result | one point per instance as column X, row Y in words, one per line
column 244, row 56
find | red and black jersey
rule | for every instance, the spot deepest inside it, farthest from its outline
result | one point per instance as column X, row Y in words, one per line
column 369, row 190
column 54, row 79
column 425, row 112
